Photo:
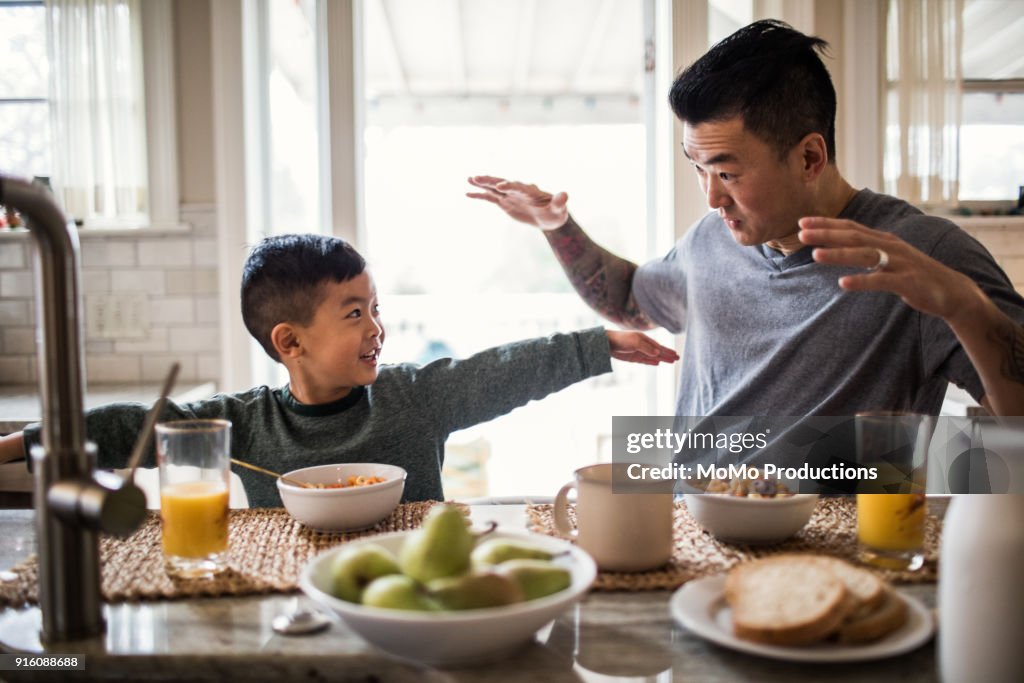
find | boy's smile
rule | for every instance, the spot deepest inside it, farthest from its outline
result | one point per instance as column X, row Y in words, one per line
column 338, row 350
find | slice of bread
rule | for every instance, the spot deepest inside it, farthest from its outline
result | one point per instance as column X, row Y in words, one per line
column 787, row 600
column 886, row 617
column 868, row 589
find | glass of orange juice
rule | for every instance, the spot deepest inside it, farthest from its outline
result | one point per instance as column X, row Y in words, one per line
column 194, row 457
column 891, row 508
column 890, row 529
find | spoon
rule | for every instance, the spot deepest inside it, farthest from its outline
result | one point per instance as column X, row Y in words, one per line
column 299, row 621
column 287, row 480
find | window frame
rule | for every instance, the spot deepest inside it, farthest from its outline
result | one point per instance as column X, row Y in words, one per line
column 159, row 82
column 160, row 85
column 992, row 86
column 25, row 100
column 989, row 86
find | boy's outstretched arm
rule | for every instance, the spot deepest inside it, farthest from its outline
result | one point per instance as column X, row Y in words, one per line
column 12, row 447
column 459, row 393
column 637, row 347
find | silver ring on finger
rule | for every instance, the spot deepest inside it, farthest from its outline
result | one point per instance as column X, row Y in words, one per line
column 883, row 261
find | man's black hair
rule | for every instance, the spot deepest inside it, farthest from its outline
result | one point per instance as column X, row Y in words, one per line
column 283, row 279
column 772, row 76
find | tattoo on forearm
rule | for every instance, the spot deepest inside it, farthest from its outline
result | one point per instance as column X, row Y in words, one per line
column 1010, row 338
column 601, row 278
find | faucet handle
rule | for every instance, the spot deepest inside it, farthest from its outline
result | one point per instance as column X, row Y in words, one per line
column 105, row 503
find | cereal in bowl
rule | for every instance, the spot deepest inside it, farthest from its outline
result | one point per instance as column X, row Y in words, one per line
column 749, row 487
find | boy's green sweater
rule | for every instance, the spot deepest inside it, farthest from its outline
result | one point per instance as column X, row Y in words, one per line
column 401, row 419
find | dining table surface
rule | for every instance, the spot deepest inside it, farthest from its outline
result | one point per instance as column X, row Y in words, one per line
column 608, row 636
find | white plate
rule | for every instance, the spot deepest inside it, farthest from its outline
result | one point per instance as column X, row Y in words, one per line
column 700, row 606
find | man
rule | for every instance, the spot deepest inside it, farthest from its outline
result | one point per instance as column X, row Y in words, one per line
column 918, row 302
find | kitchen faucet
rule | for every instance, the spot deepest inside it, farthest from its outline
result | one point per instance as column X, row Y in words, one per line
column 73, row 501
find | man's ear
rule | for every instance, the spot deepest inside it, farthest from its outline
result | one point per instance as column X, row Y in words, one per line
column 813, row 155
column 285, row 339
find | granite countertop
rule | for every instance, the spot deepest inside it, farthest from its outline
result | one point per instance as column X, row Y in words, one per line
column 625, row 637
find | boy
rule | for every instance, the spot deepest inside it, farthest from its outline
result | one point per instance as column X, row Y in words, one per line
column 310, row 303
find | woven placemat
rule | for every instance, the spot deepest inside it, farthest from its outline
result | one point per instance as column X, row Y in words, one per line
column 267, row 551
column 832, row 530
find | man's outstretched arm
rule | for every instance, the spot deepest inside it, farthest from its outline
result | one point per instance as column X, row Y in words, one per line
column 602, row 279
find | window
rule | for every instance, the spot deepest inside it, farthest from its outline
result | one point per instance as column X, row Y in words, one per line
column 73, row 106
column 292, row 104
column 992, row 128
column 549, row 93
column 955, row 101
column 24, row 90
column 561, row 93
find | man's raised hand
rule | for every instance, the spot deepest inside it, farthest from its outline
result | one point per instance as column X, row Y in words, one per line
column 525, row 203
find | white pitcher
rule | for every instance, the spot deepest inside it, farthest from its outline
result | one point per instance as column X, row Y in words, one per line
column 981, row 590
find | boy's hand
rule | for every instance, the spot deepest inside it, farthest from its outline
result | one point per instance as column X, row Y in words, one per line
column 637, row 347
column 12, row 447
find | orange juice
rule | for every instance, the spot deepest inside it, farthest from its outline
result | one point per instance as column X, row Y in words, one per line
column 891, row 521
column 195, row 518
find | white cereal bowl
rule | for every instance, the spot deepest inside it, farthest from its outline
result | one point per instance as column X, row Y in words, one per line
column 452, row 639
column 741, row 519
column 342, row 509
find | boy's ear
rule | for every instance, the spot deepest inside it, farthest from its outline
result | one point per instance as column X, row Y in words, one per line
column 285, row 340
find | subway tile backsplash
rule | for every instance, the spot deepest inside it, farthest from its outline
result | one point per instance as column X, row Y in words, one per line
column 12, row 256
column 174, row 274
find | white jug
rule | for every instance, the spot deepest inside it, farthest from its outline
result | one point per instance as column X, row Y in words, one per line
column 981, row 590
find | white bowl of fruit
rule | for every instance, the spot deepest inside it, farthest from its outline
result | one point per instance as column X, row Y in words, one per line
column 446, row 594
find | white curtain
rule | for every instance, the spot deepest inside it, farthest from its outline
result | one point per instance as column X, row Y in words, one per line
column 923, row 41
column 98, row 109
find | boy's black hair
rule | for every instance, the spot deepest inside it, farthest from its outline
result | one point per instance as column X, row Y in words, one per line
column 283, row 278
column 772, row 76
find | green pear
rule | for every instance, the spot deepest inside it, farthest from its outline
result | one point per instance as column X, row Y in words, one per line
column 441, row 548
column 354, row 568
column 475, row 591
column 497, row 550
column 536, row 578
column 396, row 591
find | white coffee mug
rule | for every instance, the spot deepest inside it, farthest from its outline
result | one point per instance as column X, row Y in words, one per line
column 623, row 532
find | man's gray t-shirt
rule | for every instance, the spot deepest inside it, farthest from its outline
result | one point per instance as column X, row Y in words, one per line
column 777, row 336
column 401, row 419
